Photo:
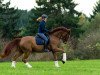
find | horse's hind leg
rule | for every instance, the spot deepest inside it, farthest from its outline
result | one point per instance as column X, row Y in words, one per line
column 17, row 54
column 24, row 59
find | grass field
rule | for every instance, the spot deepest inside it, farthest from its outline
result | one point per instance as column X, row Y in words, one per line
column 83, row 67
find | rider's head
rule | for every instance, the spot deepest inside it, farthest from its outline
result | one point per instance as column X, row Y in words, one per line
column 44, row 17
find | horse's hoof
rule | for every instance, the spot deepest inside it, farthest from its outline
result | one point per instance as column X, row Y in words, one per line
column 29, row 66
column 63, row 62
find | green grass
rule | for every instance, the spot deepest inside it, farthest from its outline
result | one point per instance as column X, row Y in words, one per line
column 83, row 67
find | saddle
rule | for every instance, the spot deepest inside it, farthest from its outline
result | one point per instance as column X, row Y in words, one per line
column 40, row 40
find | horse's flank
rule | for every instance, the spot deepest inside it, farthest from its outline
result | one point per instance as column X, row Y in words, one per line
column 29, row 43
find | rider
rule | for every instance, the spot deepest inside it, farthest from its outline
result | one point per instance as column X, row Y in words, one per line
column 42, row 30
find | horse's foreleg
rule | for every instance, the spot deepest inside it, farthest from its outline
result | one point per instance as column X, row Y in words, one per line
column 55, row 59
column 24, row 59
column 17, row 54
column 59, row 50
column 62, row 51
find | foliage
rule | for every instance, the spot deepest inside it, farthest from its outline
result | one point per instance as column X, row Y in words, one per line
column 89, row 43
column 9, row 19
column 84, row 22
column 29, row 26
column 96, row 9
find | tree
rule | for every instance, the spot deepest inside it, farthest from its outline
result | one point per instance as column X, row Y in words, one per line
column 96, row 9
column 1, row 9
column 28, row 24
column 9, row 19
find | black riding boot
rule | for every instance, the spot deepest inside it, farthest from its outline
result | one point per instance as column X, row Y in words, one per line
column 45, row 48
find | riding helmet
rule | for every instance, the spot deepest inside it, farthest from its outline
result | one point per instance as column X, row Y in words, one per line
column 44, row 16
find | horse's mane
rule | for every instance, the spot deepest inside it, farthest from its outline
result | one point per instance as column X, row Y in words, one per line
column 58, row 29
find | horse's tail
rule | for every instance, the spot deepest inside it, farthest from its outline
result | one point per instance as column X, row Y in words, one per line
column 7, row 50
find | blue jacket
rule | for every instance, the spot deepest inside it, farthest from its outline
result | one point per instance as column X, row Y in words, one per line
column 42, row 28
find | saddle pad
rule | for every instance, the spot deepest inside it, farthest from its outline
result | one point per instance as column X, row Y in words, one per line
column 39, row 40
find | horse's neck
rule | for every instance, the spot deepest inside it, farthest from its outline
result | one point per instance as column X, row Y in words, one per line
column 58, row 34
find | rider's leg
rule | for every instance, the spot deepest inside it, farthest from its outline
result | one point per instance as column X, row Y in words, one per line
column 45, row 41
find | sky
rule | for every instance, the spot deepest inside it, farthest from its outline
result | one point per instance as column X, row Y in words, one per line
column 85, row 6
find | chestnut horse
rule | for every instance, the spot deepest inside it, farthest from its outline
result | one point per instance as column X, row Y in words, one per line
column 27, row 44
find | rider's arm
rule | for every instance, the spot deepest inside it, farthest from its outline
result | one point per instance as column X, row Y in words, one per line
column 46, row 30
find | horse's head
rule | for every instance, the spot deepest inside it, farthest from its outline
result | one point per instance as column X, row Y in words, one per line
column 65, row 35
column 62, row 33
